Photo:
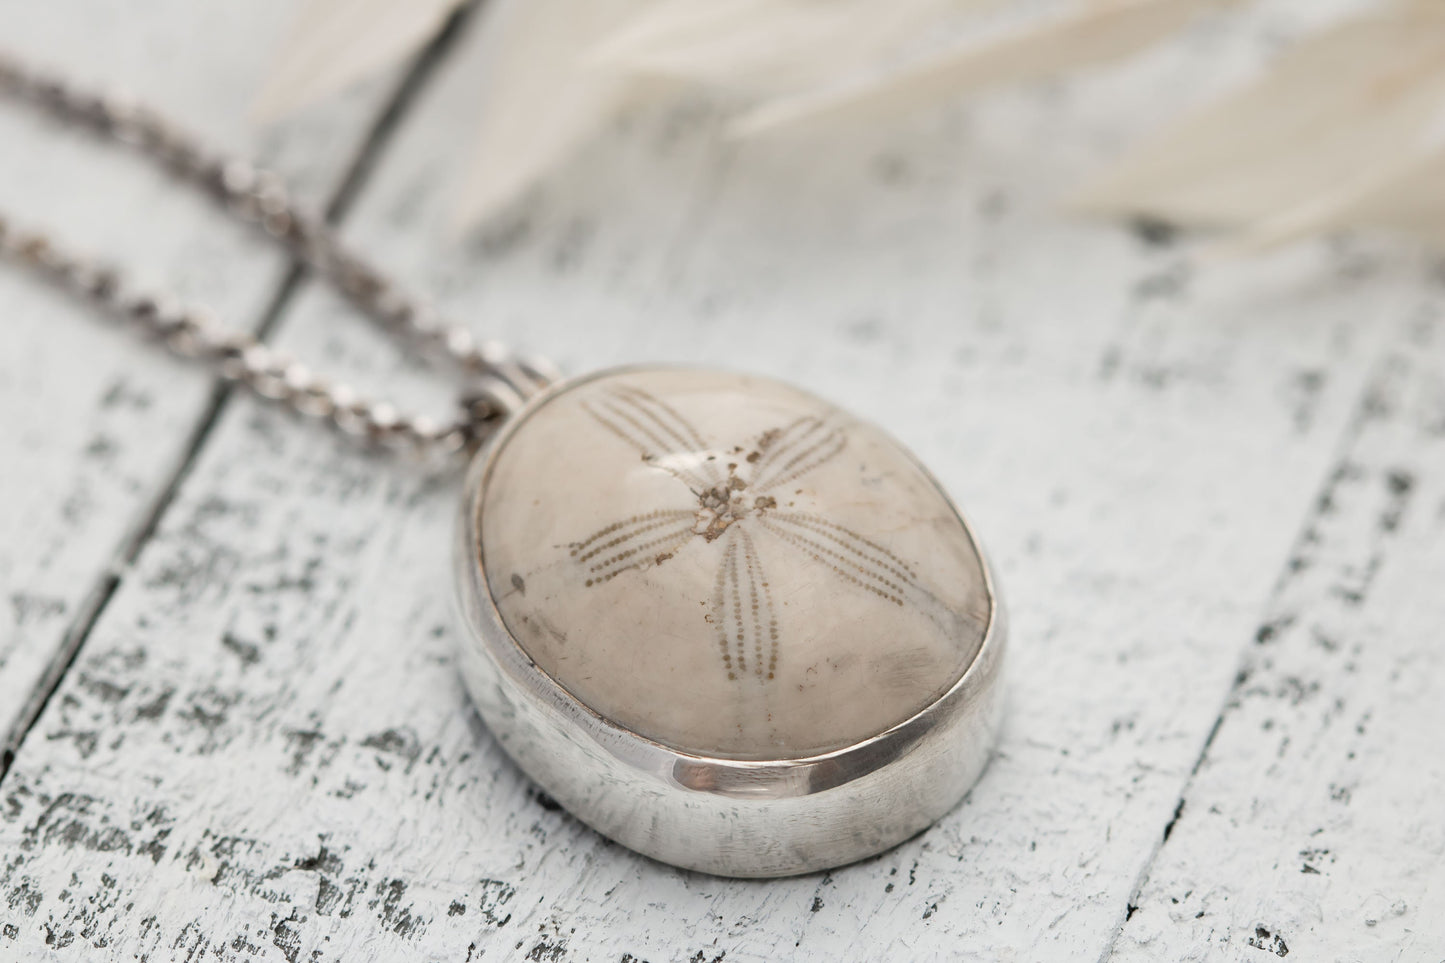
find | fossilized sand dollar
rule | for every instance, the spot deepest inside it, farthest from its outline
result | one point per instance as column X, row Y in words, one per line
column 728, row 565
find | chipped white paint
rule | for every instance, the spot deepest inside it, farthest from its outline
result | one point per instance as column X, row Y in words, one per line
column 727, row 565
column 1312, row 828
column 94, row 422
column 263, row 752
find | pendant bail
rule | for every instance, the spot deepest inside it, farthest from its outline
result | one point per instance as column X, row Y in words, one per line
column 503, row 391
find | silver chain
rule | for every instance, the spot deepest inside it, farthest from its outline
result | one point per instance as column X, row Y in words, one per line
column 500, row 381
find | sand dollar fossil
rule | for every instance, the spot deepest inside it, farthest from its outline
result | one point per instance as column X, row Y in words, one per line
column 727, row 565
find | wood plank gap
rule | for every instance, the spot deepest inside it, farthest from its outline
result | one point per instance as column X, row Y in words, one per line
column 1347, row 441
column 343, row 197
column 408, row 89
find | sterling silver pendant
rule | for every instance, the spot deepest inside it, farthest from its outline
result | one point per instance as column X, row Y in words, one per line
column 725, row 623
column 721, row 621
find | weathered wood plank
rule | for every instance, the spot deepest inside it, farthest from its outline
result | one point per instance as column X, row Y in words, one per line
column 94, row 421
column 1313, row 825
column 264, row 753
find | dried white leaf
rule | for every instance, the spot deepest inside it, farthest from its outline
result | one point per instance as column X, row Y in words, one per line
column 335, row 42
column 1328, row 114
column 1334, row 135
column 766, row 45
column 539, row 98
column 1317, row 215
column 1405, row 194
column 675, row 25
column 1103, row 31
column 1413, row 204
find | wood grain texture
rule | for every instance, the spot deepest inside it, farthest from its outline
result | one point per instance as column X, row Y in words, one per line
column 1312, row 826
column 263, row 752
column 96, row 423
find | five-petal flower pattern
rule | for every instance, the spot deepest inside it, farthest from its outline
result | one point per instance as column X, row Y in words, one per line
column 736, row 496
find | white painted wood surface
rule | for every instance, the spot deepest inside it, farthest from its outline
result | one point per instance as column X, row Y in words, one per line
column 1214, row 493
column 95, row 423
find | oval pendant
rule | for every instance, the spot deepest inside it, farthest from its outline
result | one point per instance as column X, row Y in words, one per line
column 725, row 623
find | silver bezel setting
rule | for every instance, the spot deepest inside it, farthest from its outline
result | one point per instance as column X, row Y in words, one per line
column 728, row 817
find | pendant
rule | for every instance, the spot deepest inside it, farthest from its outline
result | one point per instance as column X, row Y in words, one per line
column 725, row 623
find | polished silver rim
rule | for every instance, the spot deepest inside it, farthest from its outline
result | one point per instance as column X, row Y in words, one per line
column 717, row 814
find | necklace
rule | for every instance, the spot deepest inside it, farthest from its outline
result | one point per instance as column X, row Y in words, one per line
column 722, row 621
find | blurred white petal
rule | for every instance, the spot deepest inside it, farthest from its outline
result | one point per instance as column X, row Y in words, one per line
column 335, row 42
column 539, row 97
column 1328, row 113
column 1104, row 31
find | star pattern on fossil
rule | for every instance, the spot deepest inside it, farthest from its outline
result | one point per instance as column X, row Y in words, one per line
column 733, row 498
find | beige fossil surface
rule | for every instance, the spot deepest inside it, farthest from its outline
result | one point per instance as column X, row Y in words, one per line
column 728, row 565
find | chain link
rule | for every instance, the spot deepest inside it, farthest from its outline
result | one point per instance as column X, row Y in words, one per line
column 500, row 380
